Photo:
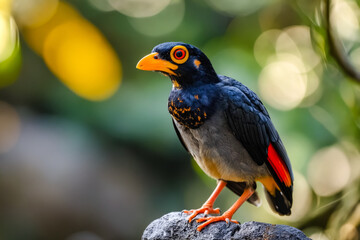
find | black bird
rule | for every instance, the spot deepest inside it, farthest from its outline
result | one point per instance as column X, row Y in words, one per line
column 226, row 128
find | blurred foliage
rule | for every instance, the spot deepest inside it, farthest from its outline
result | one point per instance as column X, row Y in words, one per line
column 87, row 149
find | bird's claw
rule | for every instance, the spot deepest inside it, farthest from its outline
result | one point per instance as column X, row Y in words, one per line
column 205, row 209
column 228, row 220
column 207, row 220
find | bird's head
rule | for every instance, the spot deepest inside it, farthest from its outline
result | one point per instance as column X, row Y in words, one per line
column 185, row 64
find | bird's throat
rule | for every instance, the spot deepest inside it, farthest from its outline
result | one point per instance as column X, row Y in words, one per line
column 188, row 109
column 175, row 83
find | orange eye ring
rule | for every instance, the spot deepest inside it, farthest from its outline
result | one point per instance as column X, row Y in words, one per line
column 179, row 54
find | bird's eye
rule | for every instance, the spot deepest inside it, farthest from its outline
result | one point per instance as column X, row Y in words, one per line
column 179, row 54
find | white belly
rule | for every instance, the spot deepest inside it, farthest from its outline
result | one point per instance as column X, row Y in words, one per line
column 218, row 153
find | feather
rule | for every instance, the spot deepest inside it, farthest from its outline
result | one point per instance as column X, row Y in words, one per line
column 251, row 124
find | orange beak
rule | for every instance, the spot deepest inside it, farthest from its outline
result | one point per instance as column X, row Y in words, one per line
column 152, row 62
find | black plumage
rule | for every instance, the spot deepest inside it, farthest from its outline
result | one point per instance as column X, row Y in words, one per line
column 226, row 128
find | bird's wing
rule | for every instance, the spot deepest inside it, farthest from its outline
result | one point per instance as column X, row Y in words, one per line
column 179, row 135
column 251, row 124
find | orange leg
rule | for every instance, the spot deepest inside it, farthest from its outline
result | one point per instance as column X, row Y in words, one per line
column 229, row 213
column 207, row 207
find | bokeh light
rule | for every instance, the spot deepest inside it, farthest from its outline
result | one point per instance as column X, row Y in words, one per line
column 264, row 46
column 34, row 13
column 345, row 22
column 77, row 53
column 101, row 5
column 282, row 85
column 36, row 36
column 328, row 171
column 344, row 19
column 89, row 68
column 349, row 229
column 234, row 7
column 297, row 40
column 162, row 23
column 5, row 7
column 9, row 36
column 10, row 56
column 319, row 236
column 291, row 67
column 139, row 8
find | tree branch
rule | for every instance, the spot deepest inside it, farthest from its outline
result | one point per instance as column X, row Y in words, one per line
column 337, row 50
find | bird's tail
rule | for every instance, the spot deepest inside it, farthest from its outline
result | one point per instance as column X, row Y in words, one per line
column 239, row 187
column 277, row 201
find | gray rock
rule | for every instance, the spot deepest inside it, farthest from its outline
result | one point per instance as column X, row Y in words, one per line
column 175, row 225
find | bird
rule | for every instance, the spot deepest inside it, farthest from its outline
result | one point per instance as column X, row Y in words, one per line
column 227, row 130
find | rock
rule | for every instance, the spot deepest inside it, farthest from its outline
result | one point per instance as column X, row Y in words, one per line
column 175, row 225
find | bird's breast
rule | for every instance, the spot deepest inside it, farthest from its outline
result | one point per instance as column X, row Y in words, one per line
column 218, row 153
column 188, row 111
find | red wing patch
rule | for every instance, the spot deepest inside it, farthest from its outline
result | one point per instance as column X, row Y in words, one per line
column 279, row 166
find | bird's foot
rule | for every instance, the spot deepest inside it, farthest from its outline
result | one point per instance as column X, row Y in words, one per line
column 204, row 209
column 207, row 220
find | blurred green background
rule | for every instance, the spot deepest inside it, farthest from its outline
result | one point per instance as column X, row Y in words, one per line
column 87, row 148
